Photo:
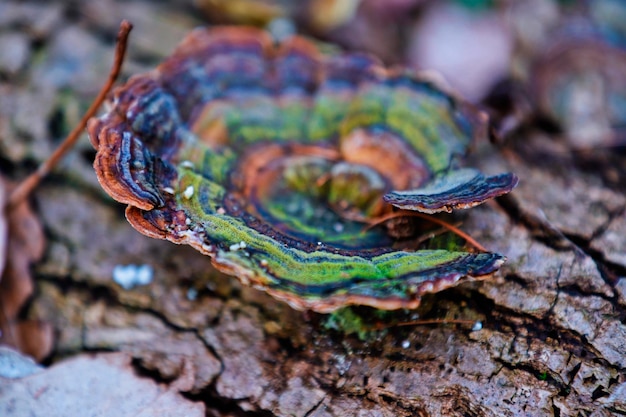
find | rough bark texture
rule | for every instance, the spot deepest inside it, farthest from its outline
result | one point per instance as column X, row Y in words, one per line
column 553, row 337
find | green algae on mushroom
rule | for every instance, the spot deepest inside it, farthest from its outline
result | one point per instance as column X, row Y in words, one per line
column 271, row 159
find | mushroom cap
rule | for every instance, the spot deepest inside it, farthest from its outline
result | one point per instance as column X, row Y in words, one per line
column 271, row 159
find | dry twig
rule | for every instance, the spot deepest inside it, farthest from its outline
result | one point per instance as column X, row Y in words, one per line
column 23, row 190
column 430, row 218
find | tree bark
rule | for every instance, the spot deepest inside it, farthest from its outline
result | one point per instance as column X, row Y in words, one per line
column 551, row 339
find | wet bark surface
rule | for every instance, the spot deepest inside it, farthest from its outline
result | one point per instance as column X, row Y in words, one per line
column 552, row 339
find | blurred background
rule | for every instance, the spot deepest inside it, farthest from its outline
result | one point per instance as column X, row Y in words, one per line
column 559, row 62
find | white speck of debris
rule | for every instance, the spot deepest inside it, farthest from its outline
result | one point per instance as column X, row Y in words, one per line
column 263, row 262
column 192, row 294
column 168, row 190
column 187, row 221
column 237, row 246
column 242, row 244
column 221, row 210
column 187, row 164
column 406, row 344
column 188, row 193
column 319, row 243
column 342, row 364
column 338, row 227
column 130, row 276
column 477, row 326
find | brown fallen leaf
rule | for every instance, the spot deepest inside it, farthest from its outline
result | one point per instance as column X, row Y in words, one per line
column 103, row 384
column 22, row 242
column 4, row 232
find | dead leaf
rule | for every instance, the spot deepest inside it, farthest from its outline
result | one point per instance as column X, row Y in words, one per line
column 4, row 232
column 25, row 235
column 103, row 384
column 22, row 242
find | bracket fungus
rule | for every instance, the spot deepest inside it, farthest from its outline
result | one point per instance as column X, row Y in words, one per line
column 272, row 159
column 578, row 81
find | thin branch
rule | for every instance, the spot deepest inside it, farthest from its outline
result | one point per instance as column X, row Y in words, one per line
column 381, row 326
column 23, row 190
column 448, row 226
